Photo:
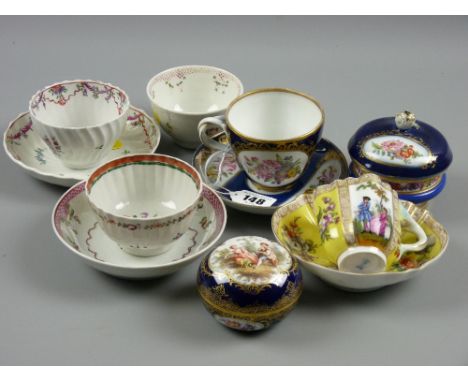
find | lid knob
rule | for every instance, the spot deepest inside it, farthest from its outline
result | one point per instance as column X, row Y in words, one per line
column 405, row 120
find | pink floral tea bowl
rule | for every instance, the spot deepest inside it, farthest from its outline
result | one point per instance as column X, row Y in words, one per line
column 145, row 203
column 79, row 120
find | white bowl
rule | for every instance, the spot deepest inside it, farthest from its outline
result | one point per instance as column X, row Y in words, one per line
column 76, row 226
column 145, row 203
column 79, row 120
column 182, row 96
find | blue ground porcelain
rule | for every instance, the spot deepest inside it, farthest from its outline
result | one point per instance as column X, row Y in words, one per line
column 327, row 164
column 248, row 283
column 407, row 153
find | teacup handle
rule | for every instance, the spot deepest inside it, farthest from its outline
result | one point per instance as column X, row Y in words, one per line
column 208, row 141
column 362, row 259
column 417, row 229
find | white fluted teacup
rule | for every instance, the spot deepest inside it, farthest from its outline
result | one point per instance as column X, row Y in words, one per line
column 79, row 120
column 145, row 203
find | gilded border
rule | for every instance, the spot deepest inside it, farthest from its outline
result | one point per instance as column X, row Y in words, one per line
column 272, row 90
column 420, row 141
column 393, row 179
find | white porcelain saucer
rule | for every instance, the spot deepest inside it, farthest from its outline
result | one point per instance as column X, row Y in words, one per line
column 77, row 228
column 26, row 148
column 327, row 164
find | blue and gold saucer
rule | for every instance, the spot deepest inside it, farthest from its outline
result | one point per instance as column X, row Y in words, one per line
column 221, row 171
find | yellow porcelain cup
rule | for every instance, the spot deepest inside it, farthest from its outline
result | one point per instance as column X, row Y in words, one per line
column 352, row 224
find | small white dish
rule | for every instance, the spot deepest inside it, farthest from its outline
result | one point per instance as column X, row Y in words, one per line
column 24, row 146
column 145, row 202
column 76, row 226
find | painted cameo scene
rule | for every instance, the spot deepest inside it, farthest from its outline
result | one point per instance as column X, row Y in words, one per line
column 372, row 211
column 250, row 260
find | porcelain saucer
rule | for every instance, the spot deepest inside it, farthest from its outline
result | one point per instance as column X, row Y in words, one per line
column 26, row 148
column 327, row 164
column 77, row 228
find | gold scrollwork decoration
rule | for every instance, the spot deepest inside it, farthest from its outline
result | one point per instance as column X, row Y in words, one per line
column 293, row 146
column 217, row 299
column 402, row 185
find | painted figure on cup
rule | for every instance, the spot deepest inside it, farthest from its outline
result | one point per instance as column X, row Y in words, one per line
column 379, row 222
column 364, row 214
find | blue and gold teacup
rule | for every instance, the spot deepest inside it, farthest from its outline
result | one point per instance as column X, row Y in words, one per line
column 273, row 133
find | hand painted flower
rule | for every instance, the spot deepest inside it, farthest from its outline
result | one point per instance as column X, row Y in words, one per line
column 266, row 169
column 58, row 89
column 328, row 175
column 392, row 145
column 273, row 171
column 229, row 164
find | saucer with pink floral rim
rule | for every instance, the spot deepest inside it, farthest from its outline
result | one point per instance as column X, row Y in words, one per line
column 221, row 171
column 26, row 148
column 76, row 226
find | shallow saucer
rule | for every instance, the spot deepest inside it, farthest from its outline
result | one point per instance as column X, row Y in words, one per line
column 77, row 228
column 327, row 164
column 291, row 236
column 25, row 147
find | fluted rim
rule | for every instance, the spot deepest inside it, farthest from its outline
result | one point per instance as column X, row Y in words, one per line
column 66, row 82
column 65, row 177
column 139, row 158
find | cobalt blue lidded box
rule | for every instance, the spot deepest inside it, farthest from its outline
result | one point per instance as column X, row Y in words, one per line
column 248, row 283
column 409, row 154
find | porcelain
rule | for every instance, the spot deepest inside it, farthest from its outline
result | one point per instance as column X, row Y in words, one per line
column 407, row 153
column 76, row 226
column 145, row 203
column 314, row 259
column 423, row 199
column 79, row 120
column 248, row 283
column 273, row 133
column 26, row 148
column 221, row 171
column 354, row 223
column 182, row 96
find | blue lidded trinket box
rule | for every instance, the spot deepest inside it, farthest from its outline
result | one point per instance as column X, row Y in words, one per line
column 249, row 283
column 409, row 154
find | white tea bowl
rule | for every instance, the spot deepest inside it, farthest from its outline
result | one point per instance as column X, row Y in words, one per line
column 182, row 96
column 80, row 120
column 145, row 203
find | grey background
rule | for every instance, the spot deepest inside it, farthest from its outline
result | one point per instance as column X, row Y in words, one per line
column 56, row 310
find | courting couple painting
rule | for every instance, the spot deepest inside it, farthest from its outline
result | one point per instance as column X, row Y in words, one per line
column 372, row 217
